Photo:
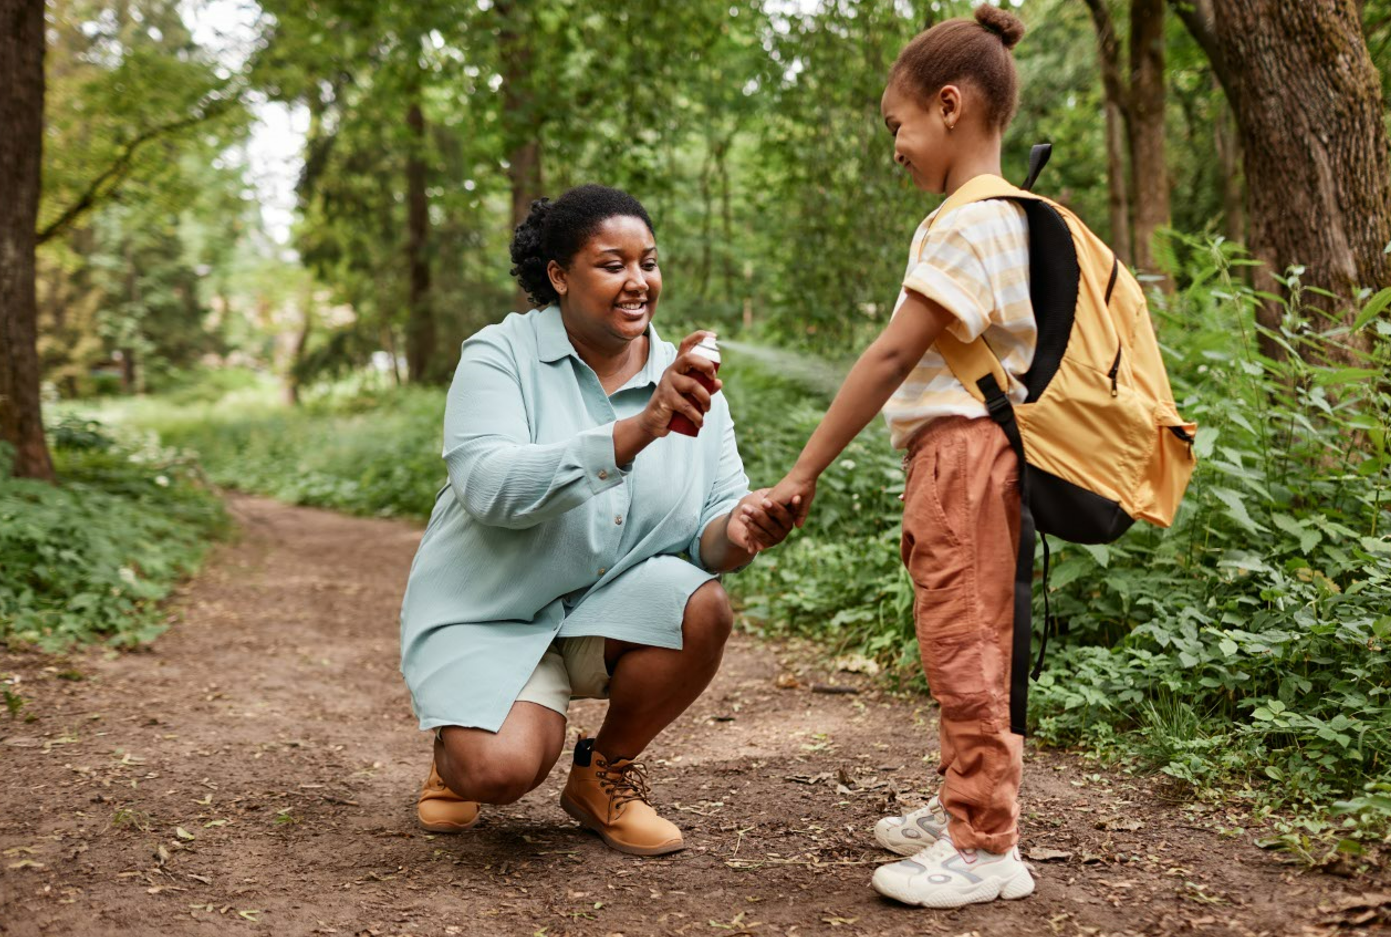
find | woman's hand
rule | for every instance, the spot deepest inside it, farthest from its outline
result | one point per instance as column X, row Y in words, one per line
column 678, row 392
column 757, row 523
column 796, row 492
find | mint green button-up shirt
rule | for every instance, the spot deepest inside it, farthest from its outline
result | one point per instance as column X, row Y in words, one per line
column 539, row 533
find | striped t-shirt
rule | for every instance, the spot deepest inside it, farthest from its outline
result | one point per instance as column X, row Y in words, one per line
column 975, row 263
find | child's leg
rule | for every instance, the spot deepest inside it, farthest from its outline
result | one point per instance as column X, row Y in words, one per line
column 960, row 543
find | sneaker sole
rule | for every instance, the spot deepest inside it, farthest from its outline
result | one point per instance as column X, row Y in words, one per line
column 1011, row 889
column 586, row 820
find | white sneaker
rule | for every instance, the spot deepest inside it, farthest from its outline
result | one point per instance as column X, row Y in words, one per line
column 941, row 876
column 914, row 831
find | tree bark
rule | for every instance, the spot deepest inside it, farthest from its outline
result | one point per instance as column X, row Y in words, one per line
column 1149, row 171
column 1114, row 93
column 521, row 120
column 420, row 319
column 21, row 154
column 1233, row 193
column 1308, row 107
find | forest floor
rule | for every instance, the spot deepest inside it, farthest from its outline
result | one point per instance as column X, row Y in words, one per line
column 255, row 770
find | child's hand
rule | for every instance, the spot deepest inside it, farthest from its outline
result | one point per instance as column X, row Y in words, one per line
column 756, row 523
column 796, row 492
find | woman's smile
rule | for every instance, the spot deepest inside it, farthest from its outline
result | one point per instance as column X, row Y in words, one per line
column 633, row 310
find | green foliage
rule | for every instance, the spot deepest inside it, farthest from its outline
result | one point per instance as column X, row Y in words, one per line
column 91, row 559
column 359, row 450
column 139, row 120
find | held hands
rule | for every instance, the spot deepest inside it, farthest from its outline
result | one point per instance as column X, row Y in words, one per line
column 796, row 490
column 676, row 390
column 757, row 523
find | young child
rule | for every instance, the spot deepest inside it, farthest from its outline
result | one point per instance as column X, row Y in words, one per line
column 950, row 95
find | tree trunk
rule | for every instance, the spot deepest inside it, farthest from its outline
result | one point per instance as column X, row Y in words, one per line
column 1113, row 91
column 1233, row 195
column 420, row 318
column 297, row 344
column 1308, row 108
column 521, row 121
column 1149, row 172
column 21, row 152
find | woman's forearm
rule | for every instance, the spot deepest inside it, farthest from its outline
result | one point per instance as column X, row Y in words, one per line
column 630, row 438
column 718, row 553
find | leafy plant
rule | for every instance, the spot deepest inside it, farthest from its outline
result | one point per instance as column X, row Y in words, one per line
column 92, row 558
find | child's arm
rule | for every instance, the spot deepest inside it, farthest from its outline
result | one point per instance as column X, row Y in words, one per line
column 876, row 375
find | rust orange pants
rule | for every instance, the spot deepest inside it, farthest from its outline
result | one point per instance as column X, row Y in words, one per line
column 960, row 544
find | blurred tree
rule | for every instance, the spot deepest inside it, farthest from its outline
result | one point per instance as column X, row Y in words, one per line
column 138, row 197
column 21, row 149
column 1135, row 97
column 1308, row 104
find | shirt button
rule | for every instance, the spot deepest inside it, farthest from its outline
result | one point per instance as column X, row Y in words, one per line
column 618, row 519
column 602, row 570
column 603, row 474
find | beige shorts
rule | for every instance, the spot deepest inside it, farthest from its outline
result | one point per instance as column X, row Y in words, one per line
column 571, row 668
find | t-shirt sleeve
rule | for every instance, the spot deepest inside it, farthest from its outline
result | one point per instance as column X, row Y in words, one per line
column 952, row 269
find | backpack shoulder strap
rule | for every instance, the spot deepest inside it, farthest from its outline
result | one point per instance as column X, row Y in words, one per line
column 971, row 361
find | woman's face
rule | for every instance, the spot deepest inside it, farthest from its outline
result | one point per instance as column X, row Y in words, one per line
column 609, row 290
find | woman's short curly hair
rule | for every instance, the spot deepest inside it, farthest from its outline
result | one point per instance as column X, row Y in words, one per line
column 557, row 230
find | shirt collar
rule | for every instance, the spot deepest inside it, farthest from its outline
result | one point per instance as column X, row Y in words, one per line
column 553, row 343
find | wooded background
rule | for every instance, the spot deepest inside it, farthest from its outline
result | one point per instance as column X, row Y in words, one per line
column 749, row 128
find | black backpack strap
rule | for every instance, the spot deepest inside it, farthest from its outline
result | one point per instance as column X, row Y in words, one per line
column 1047, row 611
column 1038, row 158
column 1002, row 412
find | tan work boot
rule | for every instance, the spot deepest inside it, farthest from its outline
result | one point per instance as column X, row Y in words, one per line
column 611, row 798
column 441, row 810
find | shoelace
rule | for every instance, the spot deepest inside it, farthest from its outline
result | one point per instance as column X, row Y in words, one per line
column 625, row 784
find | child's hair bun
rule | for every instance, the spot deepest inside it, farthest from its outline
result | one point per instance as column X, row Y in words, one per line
column 1007, row 26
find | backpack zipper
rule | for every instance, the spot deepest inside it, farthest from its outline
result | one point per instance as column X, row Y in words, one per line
column 1115, row 369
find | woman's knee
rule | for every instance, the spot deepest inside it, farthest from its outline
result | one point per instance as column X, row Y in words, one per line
column 493, row 777
column 709, row 617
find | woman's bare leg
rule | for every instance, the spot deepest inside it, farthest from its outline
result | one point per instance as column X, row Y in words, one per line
column 499, row 767
column 651, row 686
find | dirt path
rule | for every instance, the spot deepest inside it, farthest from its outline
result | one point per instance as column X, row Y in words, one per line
column 256, row 770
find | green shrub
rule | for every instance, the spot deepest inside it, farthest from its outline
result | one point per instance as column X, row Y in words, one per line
column 91, row 558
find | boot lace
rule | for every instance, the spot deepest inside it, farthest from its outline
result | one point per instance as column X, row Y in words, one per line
column 625, row 783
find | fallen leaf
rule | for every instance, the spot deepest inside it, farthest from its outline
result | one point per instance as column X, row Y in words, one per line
column 182, row 833
column 1044, row 854
column 856, row 663
column 787, row 681
column 1120, row 823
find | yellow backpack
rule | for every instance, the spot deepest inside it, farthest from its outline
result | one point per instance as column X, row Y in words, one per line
column 1099, row 439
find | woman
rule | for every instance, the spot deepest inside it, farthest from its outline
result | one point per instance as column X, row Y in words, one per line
column 575, row 550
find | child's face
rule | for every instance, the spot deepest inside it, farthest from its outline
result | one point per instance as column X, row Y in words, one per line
column 920, row 133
